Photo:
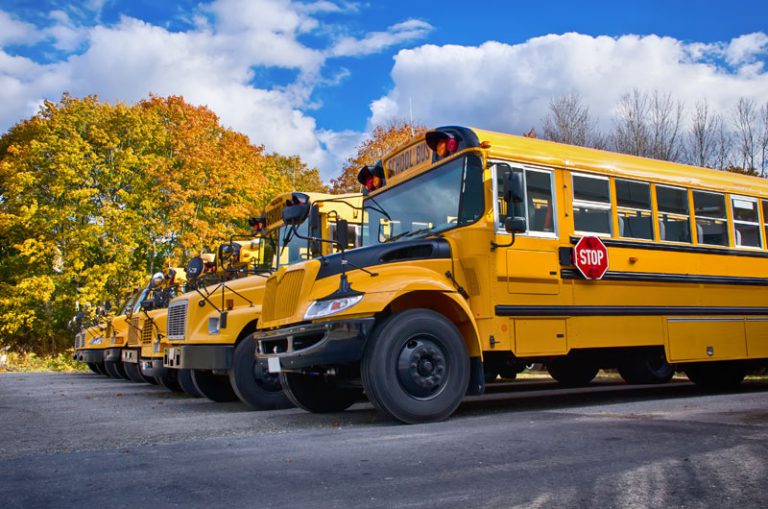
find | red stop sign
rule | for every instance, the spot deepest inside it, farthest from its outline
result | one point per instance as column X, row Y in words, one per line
column 591, row 257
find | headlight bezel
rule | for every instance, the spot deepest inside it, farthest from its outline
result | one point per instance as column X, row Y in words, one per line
column 328, row 307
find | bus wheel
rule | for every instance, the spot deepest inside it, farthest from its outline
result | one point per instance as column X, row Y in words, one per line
column 170, row 381
column 115, row 369
column 187, row 384
column 149, row 379
column 570, row 372
column 93, row 367
column 132, row 370
column 416, row 367
column 717, row 376
column 317, row 394
column 255, row 387
column 647, row 368
column 214, row 387
column 101, row 368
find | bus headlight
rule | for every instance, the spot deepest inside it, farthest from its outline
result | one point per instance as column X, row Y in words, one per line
column 97, row 341
column 321, row 308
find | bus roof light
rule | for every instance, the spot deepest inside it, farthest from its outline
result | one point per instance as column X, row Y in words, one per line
column 371, row 177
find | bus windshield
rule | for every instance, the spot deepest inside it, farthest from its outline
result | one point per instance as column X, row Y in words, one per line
column 277, row 252
column 437, row 200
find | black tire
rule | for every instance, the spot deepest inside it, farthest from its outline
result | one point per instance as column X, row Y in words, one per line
column 214, row 387
column 254, row 386
column 318, row 394
column 572, row 372
column 115, row 370
column 717, row 376
column 132, row 370
column 93, row 367
column 416, row 367
column 101, row 368
column 647, row 368
column 149, row 379
column 170, row 381
column 184, row 376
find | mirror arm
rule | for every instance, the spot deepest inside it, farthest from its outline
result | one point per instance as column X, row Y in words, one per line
column 495, row 246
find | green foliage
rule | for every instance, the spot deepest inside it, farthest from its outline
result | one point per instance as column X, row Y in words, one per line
column 30, row 362
column 94, row 196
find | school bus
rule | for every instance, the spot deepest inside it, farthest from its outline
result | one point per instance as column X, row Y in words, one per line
column 90, row 334
column 469, row 246
column 209, row 330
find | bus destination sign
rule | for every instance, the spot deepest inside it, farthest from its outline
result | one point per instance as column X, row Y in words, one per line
column 411, row 158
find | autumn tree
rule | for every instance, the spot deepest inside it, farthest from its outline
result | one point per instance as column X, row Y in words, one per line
column 648, row 125
column 93, row 196
column 382, row 139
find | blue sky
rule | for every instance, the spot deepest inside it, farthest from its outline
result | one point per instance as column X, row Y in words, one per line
column 312, row 77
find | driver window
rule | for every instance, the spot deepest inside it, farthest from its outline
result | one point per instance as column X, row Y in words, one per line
column 538, row 207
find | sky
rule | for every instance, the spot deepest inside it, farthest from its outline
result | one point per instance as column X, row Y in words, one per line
column 312, row 78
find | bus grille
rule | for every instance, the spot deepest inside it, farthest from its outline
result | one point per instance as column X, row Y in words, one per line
column 280, row 300
column 146, row 332
column 177, row 320
column 133, row 331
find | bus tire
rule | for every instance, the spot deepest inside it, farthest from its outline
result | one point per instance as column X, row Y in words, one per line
column 717, row 376
column 214, row 387
column 572, row 373
column 115, row 369
column 101, row 368
column 416, row 366
column 256, row 388
column 647, row 368
column 93, row 367
column 169, row 380
column 186, row 383
column 132, row 370
column 149, row 379
column 317, row 394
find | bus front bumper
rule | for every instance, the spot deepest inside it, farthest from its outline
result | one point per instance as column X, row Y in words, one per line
column 153, row 367
column 91, row 356
column 317, row 344
column 113, row 355
column 209, row 357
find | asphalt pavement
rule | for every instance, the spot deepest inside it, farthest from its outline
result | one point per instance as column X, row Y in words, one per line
column 82, row 440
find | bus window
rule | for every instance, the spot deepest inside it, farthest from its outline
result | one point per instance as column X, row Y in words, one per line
column 746, row 224
column 541, row 214
column 711, row 221
column 591, row 204
column 674, row 217
column 633, row 200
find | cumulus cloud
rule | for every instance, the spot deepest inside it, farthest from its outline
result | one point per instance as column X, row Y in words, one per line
column 212, row 63
column 508, row 86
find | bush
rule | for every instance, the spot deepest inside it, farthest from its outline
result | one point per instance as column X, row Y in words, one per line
column 11, row 362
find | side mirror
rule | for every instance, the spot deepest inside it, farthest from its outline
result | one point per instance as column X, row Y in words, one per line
column 513, row 187
column 342, row 232
column 157, row 279
column 515, row 224
column 195, row 267
column 296, row 209
column 148, row 305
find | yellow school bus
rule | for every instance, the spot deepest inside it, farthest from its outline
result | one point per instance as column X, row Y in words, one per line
column 481, row 253
column 209, row 330
column 88, row 339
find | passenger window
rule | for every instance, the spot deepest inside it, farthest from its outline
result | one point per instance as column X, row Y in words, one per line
column 711, row 221
column 591, row 204
column 746, row 223
column 541, row 214
column 633, row 200
column 674, row 216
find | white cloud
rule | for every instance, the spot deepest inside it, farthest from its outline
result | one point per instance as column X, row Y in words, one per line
column 375, row 42
column 746, row 48
column 508, row 87
column 13, row 31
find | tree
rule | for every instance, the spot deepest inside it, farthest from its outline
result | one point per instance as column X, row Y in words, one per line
column 708, row 143
column 94, row 195
column 745, row 118
column 648, row 125
column 568, row 121
column 382, row 140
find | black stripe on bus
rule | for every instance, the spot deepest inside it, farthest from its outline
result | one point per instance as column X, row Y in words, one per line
column 670, row 278
column 626, row 311
column 654, row 246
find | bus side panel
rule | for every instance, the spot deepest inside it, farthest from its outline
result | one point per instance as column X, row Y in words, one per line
column 540, row 337
column 615, row 331
column 757, row 338
column 701, row 339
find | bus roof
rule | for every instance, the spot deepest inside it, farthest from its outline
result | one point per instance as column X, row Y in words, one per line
column 559, row 155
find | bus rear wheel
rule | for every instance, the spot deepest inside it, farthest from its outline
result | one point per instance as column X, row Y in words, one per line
column 416, row 367
column 214, row 387
column 256, row 388
column 149, row 379
column 717, row 376
column 115, row 369
column 647, row 368
column 317, row 394
column 572, row 373
column 184, row 377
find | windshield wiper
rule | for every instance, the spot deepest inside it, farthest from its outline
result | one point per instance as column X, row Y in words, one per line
column 408, row 234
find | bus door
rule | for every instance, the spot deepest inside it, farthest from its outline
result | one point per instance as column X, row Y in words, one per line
column 531, row 265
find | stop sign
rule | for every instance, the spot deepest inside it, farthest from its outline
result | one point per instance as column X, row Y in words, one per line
column 591, row 257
